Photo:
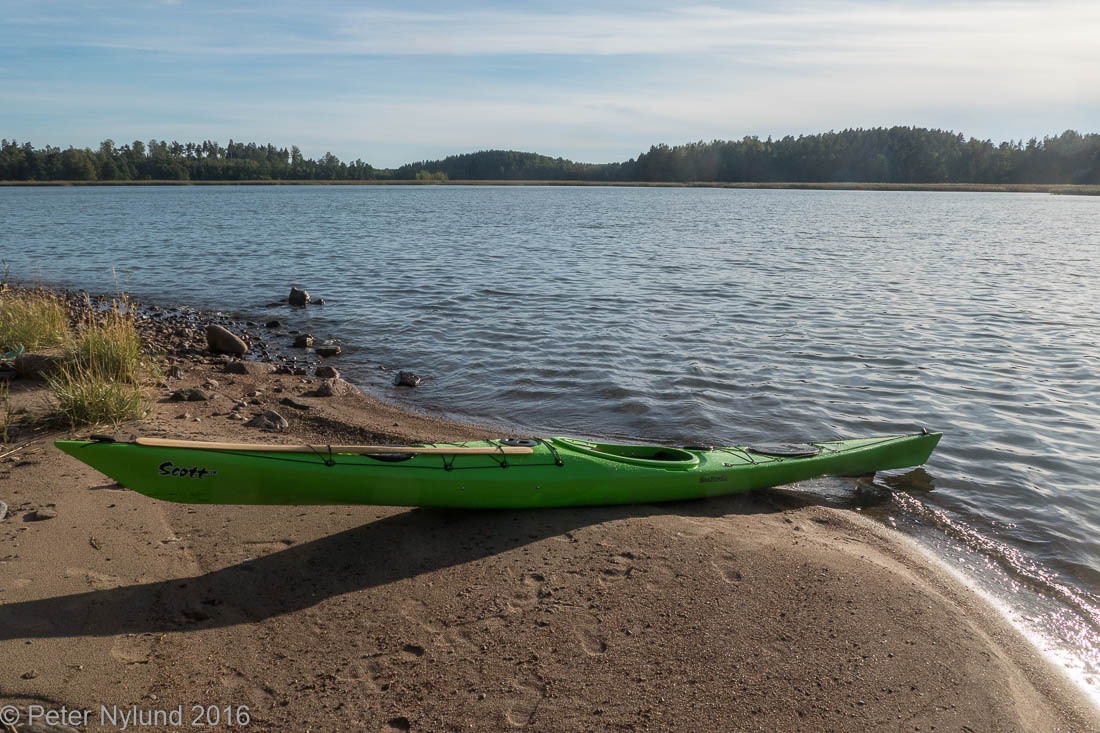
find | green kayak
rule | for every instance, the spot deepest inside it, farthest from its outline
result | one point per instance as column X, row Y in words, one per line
column 499, row 474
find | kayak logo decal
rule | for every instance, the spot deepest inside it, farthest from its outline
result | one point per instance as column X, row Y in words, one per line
column 712, row 479
column 196, row 472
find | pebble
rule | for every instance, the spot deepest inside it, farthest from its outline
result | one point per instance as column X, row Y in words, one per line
column 30, row 675
column 296, row 404
column 191, row 394
column 42, row 513
column 3, row 511
column 247, row 367
column 333, row 388
column 195, row 613
column 268, row 420
column 327, row 372
column 331, row 350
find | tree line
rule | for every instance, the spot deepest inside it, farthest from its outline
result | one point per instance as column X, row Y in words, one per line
column 159, row 160
column 874, row 155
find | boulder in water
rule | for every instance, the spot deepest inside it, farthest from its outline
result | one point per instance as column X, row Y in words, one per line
column 298, row 297
column 406, row 379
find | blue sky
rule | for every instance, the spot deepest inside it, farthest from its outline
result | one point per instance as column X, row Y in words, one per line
column 591, row 81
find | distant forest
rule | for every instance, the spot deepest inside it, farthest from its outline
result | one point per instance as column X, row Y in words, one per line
column 875, row 155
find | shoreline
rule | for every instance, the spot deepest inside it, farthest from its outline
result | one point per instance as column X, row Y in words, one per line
column 759, row 610
column 1068, row 189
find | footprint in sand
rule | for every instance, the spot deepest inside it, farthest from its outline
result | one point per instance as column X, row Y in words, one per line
column 592, row 644
column 523, row 706
column 587, row 631
column 472, row 634
column 98, row 581
column 242, row 689
column 132, row 650
column 658, row 574
column 622, row 566
column 441, row 636
column 419, row 613
column 400, row 723
column 728, row 569
column 412, row 651
column 373, row 676
column 525, row 595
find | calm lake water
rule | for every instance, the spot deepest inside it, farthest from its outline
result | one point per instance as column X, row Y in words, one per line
column 685, row 315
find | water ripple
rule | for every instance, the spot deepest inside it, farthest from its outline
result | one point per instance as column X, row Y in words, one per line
column 679, row 315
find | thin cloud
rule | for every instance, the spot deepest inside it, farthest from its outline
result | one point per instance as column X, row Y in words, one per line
column 594, row 84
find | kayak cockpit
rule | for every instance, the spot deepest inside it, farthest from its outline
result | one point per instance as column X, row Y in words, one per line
column 654, row 456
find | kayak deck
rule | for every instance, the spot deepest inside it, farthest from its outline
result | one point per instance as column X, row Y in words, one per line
column 547, row 472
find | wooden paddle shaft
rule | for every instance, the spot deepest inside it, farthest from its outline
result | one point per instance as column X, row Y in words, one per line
column 363, row 449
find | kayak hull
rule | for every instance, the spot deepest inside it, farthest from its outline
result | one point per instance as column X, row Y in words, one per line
column 557, row 472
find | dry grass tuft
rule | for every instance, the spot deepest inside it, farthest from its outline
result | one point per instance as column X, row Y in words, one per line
column 104, row 373
column 32, row 321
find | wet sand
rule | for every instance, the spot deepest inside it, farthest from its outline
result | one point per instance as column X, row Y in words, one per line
column 750, row 612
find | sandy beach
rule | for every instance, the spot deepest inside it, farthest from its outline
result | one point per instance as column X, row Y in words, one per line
column 750, row 612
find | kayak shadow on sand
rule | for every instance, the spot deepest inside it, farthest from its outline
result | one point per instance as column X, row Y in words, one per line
column 394, row 548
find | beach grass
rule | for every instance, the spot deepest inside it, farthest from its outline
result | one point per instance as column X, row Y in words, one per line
column 83, row 396
column 109, row 346
column 31, row 321
column 7, row 413
column 104, row 372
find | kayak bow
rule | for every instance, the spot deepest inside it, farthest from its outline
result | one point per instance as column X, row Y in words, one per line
column 499, row 474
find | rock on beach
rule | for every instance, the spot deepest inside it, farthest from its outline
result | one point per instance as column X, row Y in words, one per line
column 37, row 366
column 334, row 388
column 268, row 420
column 251, row 368
column 189, row 394
column 221, row 340
column 42, row 513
